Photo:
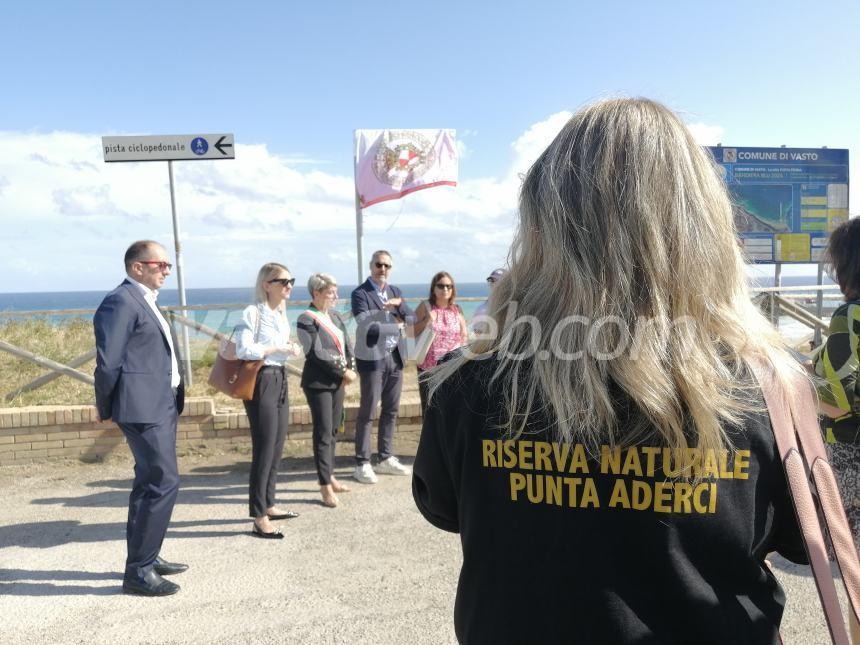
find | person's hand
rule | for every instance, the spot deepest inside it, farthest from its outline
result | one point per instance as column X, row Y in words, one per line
column 393, row 303
column 294, row 350
column 349, row 376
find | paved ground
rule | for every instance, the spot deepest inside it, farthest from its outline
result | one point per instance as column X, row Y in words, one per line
column 371, row 571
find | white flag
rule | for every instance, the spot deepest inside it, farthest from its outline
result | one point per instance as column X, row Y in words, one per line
column 392, row 163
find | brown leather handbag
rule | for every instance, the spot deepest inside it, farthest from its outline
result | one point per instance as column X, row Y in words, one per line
column 231, row 375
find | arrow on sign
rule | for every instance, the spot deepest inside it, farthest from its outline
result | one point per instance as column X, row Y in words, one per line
column 220, row 145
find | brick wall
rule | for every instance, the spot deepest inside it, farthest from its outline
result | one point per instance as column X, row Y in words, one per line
column 42, row 433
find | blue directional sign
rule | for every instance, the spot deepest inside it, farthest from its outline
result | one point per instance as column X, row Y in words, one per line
column 786, row 200
column 199, row 146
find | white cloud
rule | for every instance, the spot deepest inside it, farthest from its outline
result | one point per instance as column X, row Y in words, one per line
column 707, row 135
column 463, row 151
column 534, row 141
column 89, row 201
column 59, row 200
column 409, row 253
column 67, row 216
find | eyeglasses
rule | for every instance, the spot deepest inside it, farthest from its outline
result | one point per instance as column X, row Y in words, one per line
column 380, row 265
column 284, row 282
column 161, row 265
column 491, row 280
column 440, row 285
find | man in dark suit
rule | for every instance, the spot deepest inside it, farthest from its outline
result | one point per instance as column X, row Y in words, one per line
column 139, row 387
column 381, row 316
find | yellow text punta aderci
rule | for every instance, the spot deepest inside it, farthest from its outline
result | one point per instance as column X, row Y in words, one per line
column 543, row 472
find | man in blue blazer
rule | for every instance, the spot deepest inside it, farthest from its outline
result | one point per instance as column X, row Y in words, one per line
column 381, row 316
column 139, row 387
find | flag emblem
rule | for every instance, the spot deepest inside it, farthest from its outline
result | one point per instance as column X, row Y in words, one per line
column 402, row 157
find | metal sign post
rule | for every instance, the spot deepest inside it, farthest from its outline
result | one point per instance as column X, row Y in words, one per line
column 819, row 304
column 170, row 148
column 180, row 281
column 777, row 283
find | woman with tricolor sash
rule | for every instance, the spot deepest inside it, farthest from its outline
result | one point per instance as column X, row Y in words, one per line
column 329, row 368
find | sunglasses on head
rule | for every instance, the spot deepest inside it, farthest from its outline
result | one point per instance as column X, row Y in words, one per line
column 380, row 265
column 159, row 263
column 440, row 285
column 284, row 282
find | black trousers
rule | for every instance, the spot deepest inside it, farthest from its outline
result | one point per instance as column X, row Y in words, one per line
column 379, row 385
column 269, row 414
column 153, row 493
column 326, row 412
column 423, row 391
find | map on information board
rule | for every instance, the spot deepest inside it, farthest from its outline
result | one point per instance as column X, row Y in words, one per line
column 786, row 200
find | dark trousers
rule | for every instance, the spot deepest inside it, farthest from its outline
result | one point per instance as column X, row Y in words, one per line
column 268, row 414
column 423, row 391
column 326, row 412
column 379, row 385
column 153, row 493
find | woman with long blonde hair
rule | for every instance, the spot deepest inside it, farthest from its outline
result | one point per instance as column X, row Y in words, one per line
column 264, row 334
column 606, row 456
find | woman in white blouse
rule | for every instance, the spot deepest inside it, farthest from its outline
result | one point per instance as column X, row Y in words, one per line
column 265, row 335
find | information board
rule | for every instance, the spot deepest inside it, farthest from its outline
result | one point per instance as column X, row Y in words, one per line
column 786, row 200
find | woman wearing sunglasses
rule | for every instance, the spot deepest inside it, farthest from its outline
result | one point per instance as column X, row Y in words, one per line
column 264, row 334
column 447, row 321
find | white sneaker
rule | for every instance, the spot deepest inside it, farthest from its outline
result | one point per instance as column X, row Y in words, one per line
column 392, row 466
column 364, row 474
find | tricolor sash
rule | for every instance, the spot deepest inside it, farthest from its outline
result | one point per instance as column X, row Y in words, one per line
column 327, row 324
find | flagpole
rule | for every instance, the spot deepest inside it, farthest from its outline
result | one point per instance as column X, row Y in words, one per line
column 358, row 235
column 180, row 282
column 359, row 224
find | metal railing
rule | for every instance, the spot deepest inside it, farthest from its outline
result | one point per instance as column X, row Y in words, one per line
column 774, row 302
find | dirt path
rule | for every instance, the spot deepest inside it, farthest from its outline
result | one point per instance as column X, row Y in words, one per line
column 371, row 571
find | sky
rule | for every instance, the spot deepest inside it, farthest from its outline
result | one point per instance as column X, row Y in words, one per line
column 292, row 81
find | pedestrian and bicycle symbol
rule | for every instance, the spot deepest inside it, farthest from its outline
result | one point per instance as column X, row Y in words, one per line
column 199, row 146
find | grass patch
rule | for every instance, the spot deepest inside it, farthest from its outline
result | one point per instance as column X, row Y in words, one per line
column 66, row 340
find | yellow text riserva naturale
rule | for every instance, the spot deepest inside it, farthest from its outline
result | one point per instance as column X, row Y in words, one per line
column 648, row 478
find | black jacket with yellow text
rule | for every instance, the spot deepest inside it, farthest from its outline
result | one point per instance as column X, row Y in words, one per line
column 560, row 546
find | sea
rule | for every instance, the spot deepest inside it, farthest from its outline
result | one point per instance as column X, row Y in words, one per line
column 15, row 306
column 42, row 301
column 82, row 304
